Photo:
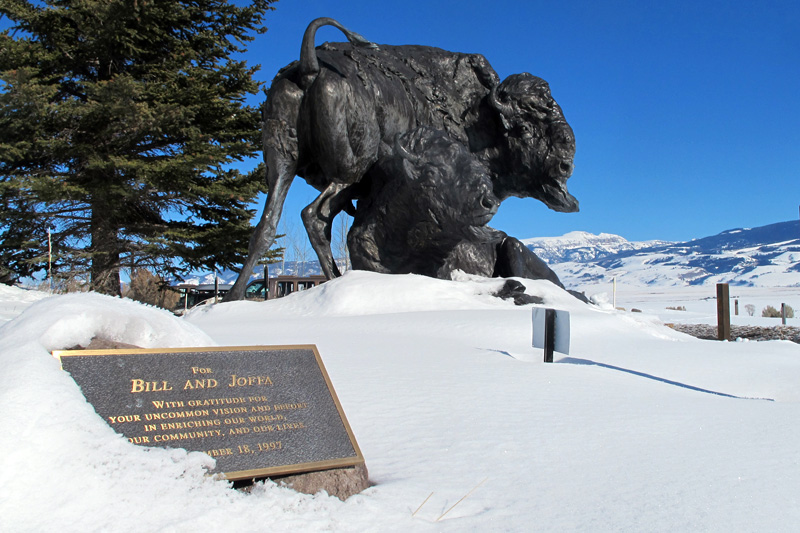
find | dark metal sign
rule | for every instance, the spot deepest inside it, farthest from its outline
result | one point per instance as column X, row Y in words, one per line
column 259, row 411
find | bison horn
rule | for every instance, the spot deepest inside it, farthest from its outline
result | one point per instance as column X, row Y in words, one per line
column 404, row 153
column 503, row 108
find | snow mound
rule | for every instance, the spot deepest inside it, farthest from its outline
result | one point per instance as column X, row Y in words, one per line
column 14, row 300
column 74, row 319
column 359, row 293
column 49, row 427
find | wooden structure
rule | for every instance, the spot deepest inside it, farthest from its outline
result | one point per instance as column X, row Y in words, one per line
column 281, row 286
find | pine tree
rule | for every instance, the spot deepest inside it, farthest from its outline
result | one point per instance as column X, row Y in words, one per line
column 120, row 123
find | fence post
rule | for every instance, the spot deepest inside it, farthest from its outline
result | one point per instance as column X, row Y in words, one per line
column 736, row 307
column 723, row 312
column 783, row 314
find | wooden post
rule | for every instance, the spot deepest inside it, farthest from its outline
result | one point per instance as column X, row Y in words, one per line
column 50, row 258
column 736, row 307
column 614, row 292
column 216, row 289
column 266, row 280
column 723, row 312
column 783, row 314
column 549, row 334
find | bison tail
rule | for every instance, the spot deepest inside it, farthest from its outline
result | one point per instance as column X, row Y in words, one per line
column 309, row 66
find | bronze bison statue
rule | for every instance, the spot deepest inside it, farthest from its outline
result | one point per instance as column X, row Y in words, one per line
column 330, row 116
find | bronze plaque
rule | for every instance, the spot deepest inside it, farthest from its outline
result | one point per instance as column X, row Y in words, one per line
column 259, row 411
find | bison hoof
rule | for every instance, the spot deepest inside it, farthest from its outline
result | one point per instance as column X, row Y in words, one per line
column 515, row 290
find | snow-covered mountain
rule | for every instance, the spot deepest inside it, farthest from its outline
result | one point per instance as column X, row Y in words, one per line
column 767, row 256
column 583, row 246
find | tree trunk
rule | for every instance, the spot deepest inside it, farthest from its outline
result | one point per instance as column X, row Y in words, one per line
column 105, row 250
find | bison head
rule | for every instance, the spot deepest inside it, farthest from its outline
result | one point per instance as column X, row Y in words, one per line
column 451, row 183
column 538, row 145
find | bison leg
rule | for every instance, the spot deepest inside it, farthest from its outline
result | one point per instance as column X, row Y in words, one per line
column 318, row 219
column 280, row 173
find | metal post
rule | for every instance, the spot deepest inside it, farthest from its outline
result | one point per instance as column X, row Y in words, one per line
column 216, row 289
column 723, row 312
column 783, row 314
column 549, row 334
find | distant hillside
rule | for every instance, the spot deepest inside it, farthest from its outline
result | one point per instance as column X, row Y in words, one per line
column 767, row 256
column 582, row 246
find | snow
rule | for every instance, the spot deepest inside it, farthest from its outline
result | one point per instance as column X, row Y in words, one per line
column 699, row 302
column 13, row 300
column 638, row 428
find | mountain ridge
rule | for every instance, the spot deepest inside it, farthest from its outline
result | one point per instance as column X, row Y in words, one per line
column 762, row 256
column 583, row 246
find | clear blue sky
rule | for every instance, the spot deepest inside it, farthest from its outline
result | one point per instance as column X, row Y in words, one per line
column 686, row 113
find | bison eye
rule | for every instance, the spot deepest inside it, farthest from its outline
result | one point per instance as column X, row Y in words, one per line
column 525, row 131
column 430, row 174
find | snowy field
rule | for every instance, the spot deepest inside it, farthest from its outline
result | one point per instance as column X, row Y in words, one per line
column 700, row 302
column 639, row 428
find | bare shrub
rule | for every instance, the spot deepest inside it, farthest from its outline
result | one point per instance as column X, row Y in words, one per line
column 150, row 289
column 65, row 283
column 771, row 312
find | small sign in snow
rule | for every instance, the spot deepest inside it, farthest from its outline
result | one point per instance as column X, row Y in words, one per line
column 551, row 331
column 259, row 411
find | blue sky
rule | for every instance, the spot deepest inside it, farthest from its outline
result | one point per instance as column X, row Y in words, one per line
column 686, row 114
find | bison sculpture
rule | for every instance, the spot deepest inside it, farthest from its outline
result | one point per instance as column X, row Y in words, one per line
column 430, row 212
column 330, row 116
column 432, row 193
